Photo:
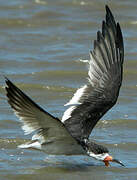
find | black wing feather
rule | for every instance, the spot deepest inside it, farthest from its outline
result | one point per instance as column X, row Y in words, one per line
column 35, row 119
column 105, row 78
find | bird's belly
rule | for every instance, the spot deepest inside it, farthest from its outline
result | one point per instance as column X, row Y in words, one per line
column 63, row 148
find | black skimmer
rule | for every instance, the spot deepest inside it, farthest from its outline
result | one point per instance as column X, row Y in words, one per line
column 70, row 136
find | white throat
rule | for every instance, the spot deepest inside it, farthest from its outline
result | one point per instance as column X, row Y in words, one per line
column 99, row 157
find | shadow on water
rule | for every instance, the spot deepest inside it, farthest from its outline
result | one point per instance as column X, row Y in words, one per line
column 69, row 164
column 31, row 164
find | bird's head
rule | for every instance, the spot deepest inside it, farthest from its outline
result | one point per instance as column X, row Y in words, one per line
column 99, row 152
column 105, row 157
column 109, row 159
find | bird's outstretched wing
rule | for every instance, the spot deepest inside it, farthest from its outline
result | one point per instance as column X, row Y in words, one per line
column 44, row 126
column 93, row 100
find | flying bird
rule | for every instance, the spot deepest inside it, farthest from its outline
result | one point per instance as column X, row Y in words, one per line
column 71, row 134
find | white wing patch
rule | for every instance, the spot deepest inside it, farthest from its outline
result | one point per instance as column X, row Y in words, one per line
column 35, row 145
column 67, row 113
column 28, row 129
column 73, row 103
column 75, row 99
column 97, row 71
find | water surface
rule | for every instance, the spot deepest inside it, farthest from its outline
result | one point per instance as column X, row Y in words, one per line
column 41, row 43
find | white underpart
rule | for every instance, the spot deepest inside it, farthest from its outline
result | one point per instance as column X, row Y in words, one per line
column 35, row 145
column 73, row 103
column 99, row 157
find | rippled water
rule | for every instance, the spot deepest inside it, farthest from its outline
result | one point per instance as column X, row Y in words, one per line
column 41, row 43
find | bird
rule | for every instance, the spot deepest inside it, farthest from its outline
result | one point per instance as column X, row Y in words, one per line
column 71, row 134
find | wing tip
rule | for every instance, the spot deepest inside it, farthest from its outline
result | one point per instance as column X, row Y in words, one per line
column 108, row 12
column 9, row 84
column 6, row 79
column 107, row 8
column 119, row 33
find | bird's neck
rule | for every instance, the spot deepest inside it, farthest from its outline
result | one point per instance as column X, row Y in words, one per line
column 99, row 157
column 94, row 150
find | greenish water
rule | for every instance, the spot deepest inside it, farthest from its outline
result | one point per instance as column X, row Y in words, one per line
column 41, row 43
